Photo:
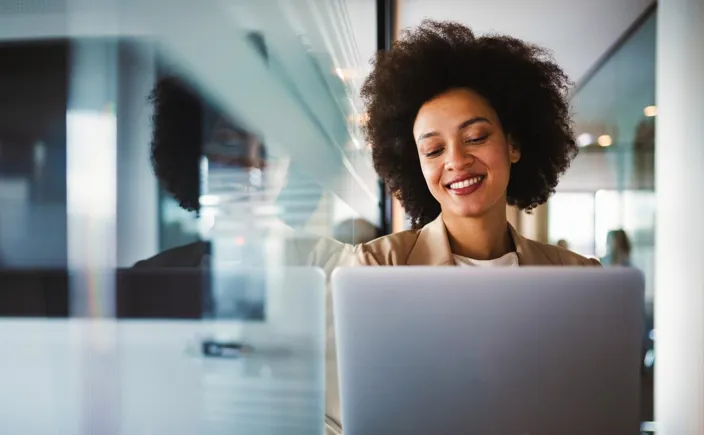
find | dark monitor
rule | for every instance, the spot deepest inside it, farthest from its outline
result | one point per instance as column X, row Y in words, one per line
column 34, row 293
column 164, row 293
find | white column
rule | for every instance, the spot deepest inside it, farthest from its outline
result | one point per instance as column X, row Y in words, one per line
column 679, row 273
column 91, row 168
column 91, row 154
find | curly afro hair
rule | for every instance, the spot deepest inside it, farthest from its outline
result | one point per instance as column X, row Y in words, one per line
column 177, row 137
column 525, row 87
column 181, row 121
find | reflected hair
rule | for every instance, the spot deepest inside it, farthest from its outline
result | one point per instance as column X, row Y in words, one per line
column 181, row 122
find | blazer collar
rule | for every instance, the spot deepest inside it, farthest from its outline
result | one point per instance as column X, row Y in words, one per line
column 528, row 251
column 432, row 248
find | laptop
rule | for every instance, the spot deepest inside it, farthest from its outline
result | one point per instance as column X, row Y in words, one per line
column 524, row 351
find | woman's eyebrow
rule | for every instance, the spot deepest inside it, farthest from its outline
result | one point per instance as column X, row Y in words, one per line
column 463, row 125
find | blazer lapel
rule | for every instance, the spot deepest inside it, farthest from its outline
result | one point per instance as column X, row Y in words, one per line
column 432, row 248
column 528, row 252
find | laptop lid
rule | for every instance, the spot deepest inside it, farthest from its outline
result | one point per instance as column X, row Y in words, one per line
column 488, row 351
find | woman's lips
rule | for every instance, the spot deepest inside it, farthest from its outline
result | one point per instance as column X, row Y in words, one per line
column 467, row 186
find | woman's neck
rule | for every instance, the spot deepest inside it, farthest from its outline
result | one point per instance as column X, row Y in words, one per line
column 481, row 238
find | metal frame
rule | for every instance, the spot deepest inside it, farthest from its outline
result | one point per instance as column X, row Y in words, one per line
column 385, row 36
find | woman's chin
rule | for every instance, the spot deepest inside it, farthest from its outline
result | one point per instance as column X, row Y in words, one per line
column 471, row 208
column 468, row 211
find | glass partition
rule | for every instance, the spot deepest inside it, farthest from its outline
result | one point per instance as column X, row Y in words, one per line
column 615, row 113
column 175, row 179
column 609, row 190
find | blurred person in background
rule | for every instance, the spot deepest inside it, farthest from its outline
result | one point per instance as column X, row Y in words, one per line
column 461, row 126
column 618, row 249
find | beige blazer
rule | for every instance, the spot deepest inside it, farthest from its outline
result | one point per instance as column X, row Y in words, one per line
column 428, row 246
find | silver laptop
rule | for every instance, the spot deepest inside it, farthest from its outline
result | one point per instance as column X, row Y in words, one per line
column 524, row 351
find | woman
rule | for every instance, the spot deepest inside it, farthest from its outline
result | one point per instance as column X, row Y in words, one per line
column 461, row 126
column 619, row 249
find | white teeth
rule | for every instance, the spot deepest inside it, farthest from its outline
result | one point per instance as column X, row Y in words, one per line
column 466, row 183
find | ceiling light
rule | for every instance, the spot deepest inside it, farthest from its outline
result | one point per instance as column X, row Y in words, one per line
column 650, row 111
column 364, row 118
column 604, row 140
column 346, row 74
column 585, row 139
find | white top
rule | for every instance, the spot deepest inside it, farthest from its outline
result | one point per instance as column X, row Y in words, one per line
column 510, row 260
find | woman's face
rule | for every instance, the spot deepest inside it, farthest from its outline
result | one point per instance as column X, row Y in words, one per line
column 464, row 154
column 234, row 147
column 240, row 165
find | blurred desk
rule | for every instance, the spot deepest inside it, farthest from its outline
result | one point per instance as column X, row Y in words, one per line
column 149, row 377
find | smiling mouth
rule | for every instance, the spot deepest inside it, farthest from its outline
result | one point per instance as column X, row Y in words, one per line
column 465, row 184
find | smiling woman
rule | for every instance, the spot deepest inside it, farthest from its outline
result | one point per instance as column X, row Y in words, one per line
column 464, row 155
column 461, row 126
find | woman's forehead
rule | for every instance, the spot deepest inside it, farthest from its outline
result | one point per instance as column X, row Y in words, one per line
column 222, row 124
column 450, row 108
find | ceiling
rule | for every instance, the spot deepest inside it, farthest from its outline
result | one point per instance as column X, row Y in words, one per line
column 578, row 31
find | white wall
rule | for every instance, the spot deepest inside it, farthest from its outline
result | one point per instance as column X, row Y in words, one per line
column 679, row 370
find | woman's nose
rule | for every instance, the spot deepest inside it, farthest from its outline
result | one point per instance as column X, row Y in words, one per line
column 458, row 157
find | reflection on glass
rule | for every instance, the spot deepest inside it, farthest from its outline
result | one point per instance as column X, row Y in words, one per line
column 618, row 101
column 254, row 209
column 615, row 114
column 618, row 171
column 632, row 211
column 253, row 133
column 254, row 138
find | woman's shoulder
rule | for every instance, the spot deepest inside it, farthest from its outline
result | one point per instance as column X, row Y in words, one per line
column 390, row 250
column 561, row 256
column 190, row 255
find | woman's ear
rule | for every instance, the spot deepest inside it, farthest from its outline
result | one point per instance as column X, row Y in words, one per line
column 514, row 151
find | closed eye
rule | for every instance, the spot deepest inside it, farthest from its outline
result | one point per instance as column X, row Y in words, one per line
column 476, row 140
column 433, row 153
